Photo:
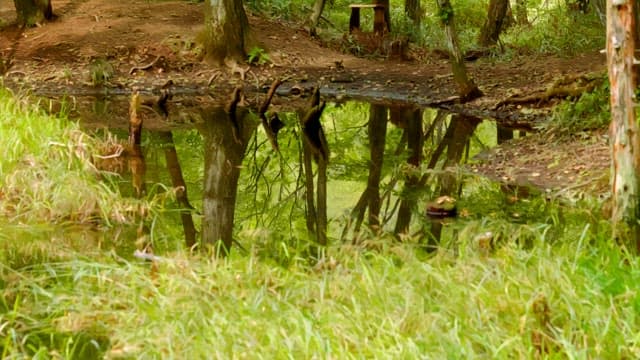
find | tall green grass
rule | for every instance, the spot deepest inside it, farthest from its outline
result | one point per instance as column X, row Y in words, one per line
column 574, row 300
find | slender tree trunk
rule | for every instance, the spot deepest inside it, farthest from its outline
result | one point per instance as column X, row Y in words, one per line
column 467, row 89
column 318, row 7
column 520, row 11
column 225, row 143
column 177, row 180
column 490, row 32
column 413, row 11
column 624, row 137
column 226, row 29
column 32, row 12
column 415, row 143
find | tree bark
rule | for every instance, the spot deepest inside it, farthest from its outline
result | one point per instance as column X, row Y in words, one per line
column 177, row 180
column 490, row 32
column 413, row 11
column 32, row 12
column 387, row 12
column 226, row 29
column 318, row 7
column 625, row 141
column 224, row 153
column 467, row 89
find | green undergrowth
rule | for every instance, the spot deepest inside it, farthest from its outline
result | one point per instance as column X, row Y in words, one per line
column 551, row 28
column 591, row 111
column 51, row 190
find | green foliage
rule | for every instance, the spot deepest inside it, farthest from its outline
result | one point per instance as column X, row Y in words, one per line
column 258, row 56
column 554, row 31
column 100, row 71
column 445, row 15
column 590, row 112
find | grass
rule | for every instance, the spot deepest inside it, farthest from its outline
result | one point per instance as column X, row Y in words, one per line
column 552, row 286
column 356, row 303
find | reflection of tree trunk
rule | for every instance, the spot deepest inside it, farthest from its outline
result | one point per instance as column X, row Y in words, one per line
column 177, row 180
column 318, row 6
column 309, row 189
column 223, row 159
column 467, row 89
column 491, row 29
column 370, row 198
column 321, row 201
column 315, row 145
column 415, row 142
column 137, row 168
column 377, row 136
column 136, row 158
column 462, row 128
column 455, row 141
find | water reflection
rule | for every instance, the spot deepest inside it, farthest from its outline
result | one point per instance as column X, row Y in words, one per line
column 376, row 175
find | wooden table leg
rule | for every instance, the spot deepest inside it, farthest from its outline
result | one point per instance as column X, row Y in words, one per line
column 354, row 20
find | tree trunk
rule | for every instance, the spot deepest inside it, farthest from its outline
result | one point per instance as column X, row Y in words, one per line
column 387, row 13
column 32, row 12
column 413, row 11
column 520, row 11
column 226, row 29
column 225, row 143
column 466, row 87
column 318, row 7
column 415, row 142
column 490, row 32
column 177, row 180
column 625, row 141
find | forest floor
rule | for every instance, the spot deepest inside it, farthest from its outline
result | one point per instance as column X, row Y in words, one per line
column 121, row 38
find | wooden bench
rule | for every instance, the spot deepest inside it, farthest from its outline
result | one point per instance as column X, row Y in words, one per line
column 378, row 17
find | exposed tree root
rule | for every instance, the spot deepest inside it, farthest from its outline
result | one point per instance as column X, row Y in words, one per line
column 571, row 86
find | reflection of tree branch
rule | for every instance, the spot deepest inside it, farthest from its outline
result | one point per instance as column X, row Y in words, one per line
column 177, row 180
column 271, row 127
column 315, row 143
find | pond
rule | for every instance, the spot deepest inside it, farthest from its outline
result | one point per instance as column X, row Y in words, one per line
column 385, row 167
